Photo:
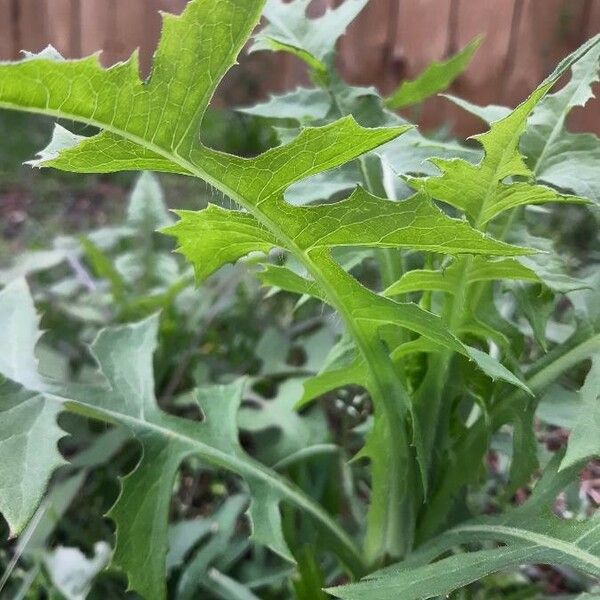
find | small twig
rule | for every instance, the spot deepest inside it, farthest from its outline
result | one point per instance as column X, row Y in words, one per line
column 23, row 541
column 81, row 273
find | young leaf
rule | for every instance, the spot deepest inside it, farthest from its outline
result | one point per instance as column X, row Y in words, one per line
column 437, row 77
column 480, row 190
column 311, row 40
column 566, row 160
column 562, row 159
column 147, row 210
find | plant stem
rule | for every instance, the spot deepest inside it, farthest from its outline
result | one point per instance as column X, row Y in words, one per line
column 472, row 447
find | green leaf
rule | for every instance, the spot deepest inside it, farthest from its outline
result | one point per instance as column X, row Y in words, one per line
column 303, row 105
column 342, row 366
column 537, row 305
column 495, row 370
column 140, row 120
column 147, row 210
column 412, row 153
column 529, row 533
column 423, row 280
column 29, row 432
column 284, row 278
column 366, row 220
column 547, row 264
column 436, row 78
column 481, row 190
column 584, row 439
column 125, row 395
column 361, row 220
column 568, row 161
column 183, row 536
column 27, row 263
column 200, row 236
column 559, row 406
column 229, row 587
column 103, row 267
column 331, row 379
column 446, row 280
column 20, row 327
column 488, row 114
column 223, row 525
column 296, row 432
column 311, row 40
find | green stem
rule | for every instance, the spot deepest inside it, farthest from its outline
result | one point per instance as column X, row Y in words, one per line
column 473, row 446
column 389, row 259
column 391, row 524
column 430, row 397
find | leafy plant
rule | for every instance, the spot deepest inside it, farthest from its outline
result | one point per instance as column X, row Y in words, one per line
column 445, row 370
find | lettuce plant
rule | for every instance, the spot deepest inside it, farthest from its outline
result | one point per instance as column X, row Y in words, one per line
column 445, row 370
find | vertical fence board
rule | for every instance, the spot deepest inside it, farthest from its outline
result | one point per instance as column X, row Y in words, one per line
column 7, row 30
column 418, row 21
column 481, row 83
column 58, row 26
column 94, row 25
column 33, row 26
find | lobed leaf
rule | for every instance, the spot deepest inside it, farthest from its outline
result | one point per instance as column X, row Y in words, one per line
column 481, row 190
column 125, row 396
column 562, row 159
column 200, row 236
column 311, row 40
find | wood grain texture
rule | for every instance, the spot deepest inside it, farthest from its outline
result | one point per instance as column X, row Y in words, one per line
column 390, row 41
column 7, row 30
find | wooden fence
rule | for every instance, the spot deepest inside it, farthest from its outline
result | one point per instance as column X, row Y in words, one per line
column 391, row 40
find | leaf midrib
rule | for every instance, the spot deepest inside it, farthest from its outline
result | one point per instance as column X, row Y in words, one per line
column 371, row 358
column 245, row 467
column 540, row 539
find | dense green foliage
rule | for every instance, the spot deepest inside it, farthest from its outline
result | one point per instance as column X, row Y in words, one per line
column 457, row 317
